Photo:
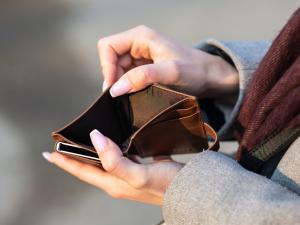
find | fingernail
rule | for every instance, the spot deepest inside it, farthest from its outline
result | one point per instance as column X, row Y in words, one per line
column 47, row 156
column 99, row 140
column 121, row 87
column 104, row 85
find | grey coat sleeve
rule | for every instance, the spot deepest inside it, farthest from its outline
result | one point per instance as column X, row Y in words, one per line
column 213, row 189
column 246, row 56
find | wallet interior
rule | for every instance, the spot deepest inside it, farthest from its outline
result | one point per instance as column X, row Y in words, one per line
column 119, row 118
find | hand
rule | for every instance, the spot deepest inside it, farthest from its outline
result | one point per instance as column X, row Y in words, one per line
column 121, row 177
column 136, row 58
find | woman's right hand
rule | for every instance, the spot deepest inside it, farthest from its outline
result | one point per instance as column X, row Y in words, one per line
column 136, row 58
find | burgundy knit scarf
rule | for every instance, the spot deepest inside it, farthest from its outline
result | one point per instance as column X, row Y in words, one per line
column 272, row 101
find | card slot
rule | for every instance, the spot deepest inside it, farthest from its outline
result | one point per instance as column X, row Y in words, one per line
column 152, row 100
column 175, row 114
column 184, row 103
column 174, row 136
column 196, row 113
column 187, row 103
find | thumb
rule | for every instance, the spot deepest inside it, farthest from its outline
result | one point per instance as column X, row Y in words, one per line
column 142, row 76
column 114, row 162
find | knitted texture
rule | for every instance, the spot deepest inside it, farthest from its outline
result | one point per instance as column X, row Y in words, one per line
column 272, row 101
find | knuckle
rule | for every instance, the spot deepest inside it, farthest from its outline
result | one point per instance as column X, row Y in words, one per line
column 112, row 165
column 145, row 30
column 101, row 42
column 136, row 51
column 139, row 78
column 145, row 75
column 150, row 75
column 133, row 80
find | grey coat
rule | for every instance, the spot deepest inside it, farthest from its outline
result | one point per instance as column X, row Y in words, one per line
column 213, row 189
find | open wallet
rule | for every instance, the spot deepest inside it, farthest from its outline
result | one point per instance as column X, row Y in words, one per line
column 152, row 122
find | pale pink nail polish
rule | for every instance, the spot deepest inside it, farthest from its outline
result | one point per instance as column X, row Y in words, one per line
column 99, row 140
column 104, row 85
column 121, row 87
column 47, row 156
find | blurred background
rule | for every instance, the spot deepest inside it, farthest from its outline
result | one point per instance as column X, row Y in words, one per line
column 49, row 73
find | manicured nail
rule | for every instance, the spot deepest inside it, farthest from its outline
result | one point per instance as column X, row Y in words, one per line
column 47, row 156
column 99, row 140
column 104, row 85
column 121, row 87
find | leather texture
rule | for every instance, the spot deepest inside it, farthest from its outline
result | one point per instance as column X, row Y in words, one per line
column 151, row 122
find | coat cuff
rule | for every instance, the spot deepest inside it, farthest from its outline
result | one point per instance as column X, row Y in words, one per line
column 245, row 57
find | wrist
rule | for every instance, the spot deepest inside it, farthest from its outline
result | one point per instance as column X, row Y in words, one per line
column 221, row 78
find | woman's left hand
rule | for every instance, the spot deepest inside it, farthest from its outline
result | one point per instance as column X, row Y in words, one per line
column 121, row 177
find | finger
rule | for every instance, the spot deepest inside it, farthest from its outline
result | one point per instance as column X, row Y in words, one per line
column 125, row 61
column 135, row 41
column 85, row 172
column 93, row 175
column 115, row 163
column 120, row 72
column 115, row 187
column 140, row 62
column 142, row 76
column 104, row 86
column 109, row 49
column 108, row 61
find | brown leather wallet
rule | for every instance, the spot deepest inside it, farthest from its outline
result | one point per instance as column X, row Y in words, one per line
column 151, row 122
